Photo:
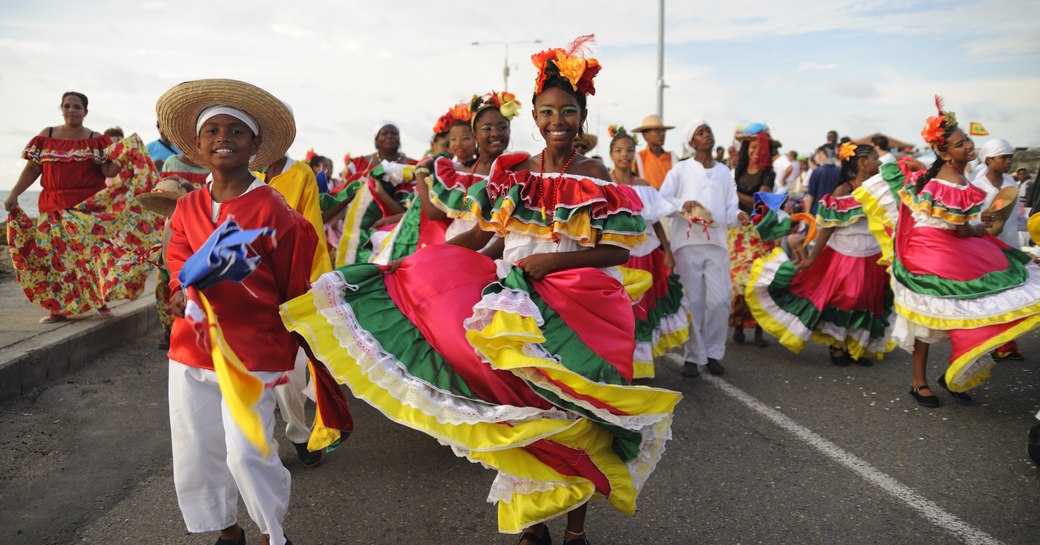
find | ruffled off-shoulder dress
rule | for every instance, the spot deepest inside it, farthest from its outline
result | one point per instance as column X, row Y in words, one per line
column 662, row 322
column 842, row 300
column 91, row 243
column 977, row 291
column 528, row 377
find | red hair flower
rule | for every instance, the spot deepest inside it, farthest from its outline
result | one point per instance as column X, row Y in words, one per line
column 933, row 131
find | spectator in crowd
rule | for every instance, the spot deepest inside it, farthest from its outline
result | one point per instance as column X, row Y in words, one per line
column 161, row 149
column 823, row 179
column 880, row 142
column 115, row 134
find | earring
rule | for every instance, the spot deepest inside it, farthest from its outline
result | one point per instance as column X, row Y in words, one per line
column 537, row 138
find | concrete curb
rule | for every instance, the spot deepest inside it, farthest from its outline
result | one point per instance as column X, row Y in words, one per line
column 50, row 355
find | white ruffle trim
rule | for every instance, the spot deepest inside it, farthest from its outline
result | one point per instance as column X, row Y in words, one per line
column 795, row 326
column 509, row 300
column 972, row 309
column 386, row 371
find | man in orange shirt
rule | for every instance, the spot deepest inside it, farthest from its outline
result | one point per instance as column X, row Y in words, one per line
column 653, row 162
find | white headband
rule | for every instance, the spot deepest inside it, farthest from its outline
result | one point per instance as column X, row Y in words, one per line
column 688, row 131
column 227, row 110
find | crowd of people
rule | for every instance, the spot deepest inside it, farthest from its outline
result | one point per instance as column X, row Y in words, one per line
column 503, row 302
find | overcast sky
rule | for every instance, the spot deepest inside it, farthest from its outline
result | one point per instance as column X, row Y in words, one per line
column 802, row 67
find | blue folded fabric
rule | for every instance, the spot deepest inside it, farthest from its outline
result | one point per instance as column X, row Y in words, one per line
column 224, row 256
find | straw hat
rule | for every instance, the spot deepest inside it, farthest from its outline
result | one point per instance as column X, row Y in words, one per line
column 163, row 199
column 652, row 122
column 179, row 108
column 590, row 141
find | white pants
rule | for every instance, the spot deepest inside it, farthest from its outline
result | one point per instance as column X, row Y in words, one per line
column 704, row 271
column 213, row 461
column 292, row 401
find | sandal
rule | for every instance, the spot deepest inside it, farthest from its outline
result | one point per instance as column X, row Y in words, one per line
column 53, row 318
column 841, row 360
column 536, row 539
column 760, row 340
column 226, row 542
column 105, row 312
column 738, row 335
column 578, row 540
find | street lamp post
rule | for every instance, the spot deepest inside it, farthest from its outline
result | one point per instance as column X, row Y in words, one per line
column 505, row 65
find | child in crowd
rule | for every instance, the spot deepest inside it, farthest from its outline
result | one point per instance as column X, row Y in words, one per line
column 229, row 126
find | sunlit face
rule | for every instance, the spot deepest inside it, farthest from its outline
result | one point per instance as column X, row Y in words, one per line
column 622, row 153
column 73, row 110
column 461, row 143
column 492, row 132
column 959, row 148
column 1000, row 164
column 388, row 139
column 439, row 145
column 558, row 117
column 654, row 137
column 225, row 142
column 703, row 139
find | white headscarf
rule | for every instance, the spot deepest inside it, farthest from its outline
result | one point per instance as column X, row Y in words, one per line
column 688, row 131
column 227, row 110
column 995, row 148
column 379, row 126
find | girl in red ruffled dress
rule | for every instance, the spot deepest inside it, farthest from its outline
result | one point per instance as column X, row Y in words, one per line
column 839, row 295
column 951, row 279
column 523, row 365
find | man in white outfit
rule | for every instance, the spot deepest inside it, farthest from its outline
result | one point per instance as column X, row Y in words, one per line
column 701, row 255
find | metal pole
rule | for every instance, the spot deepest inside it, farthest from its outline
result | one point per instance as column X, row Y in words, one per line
column 660, row 59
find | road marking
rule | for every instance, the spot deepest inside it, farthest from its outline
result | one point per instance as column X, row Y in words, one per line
column 925, row 507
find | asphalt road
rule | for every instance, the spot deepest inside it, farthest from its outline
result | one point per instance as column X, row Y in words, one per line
column 786, row 450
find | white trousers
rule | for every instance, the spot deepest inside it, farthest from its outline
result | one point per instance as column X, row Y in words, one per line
column 704, row 272
column 213, row 461
column 292, row 401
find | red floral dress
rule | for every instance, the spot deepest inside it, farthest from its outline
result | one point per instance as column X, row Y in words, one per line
column 90, row 244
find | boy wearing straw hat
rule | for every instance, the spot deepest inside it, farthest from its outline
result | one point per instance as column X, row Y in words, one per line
column 229, row 126
column 653, row 162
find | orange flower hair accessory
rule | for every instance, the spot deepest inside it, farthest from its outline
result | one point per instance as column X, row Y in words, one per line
column 618, row 131
column 847, row 151
column 505, row 101
column 459, row 113
column 568, row 64
column 935, row 128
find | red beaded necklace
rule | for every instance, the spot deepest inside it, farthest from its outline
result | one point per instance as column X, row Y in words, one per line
column 549, row 187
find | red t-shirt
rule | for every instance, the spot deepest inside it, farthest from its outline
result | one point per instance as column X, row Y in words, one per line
column 248, row 312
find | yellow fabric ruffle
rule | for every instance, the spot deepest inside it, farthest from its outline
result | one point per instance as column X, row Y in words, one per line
column 496, row 445
column 877, row 224
column 578, row 227
column 240, row 389
column 957, row 377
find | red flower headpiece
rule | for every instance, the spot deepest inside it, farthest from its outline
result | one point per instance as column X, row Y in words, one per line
column 935, row 128
column 567, row 64
column 459, row 113
column 505, row 101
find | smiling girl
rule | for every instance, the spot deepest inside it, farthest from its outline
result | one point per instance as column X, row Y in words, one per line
column 951, row 279
column 522, row 365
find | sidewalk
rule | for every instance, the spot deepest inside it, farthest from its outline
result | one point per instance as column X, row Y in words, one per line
column 32, row 354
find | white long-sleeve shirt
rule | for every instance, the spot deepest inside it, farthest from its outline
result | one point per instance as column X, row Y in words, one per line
column 714, row 189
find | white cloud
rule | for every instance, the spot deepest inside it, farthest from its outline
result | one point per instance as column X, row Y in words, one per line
column 810, row 66
column 345, row 66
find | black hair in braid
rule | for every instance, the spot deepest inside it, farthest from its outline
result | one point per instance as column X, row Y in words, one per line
column 850, row 166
